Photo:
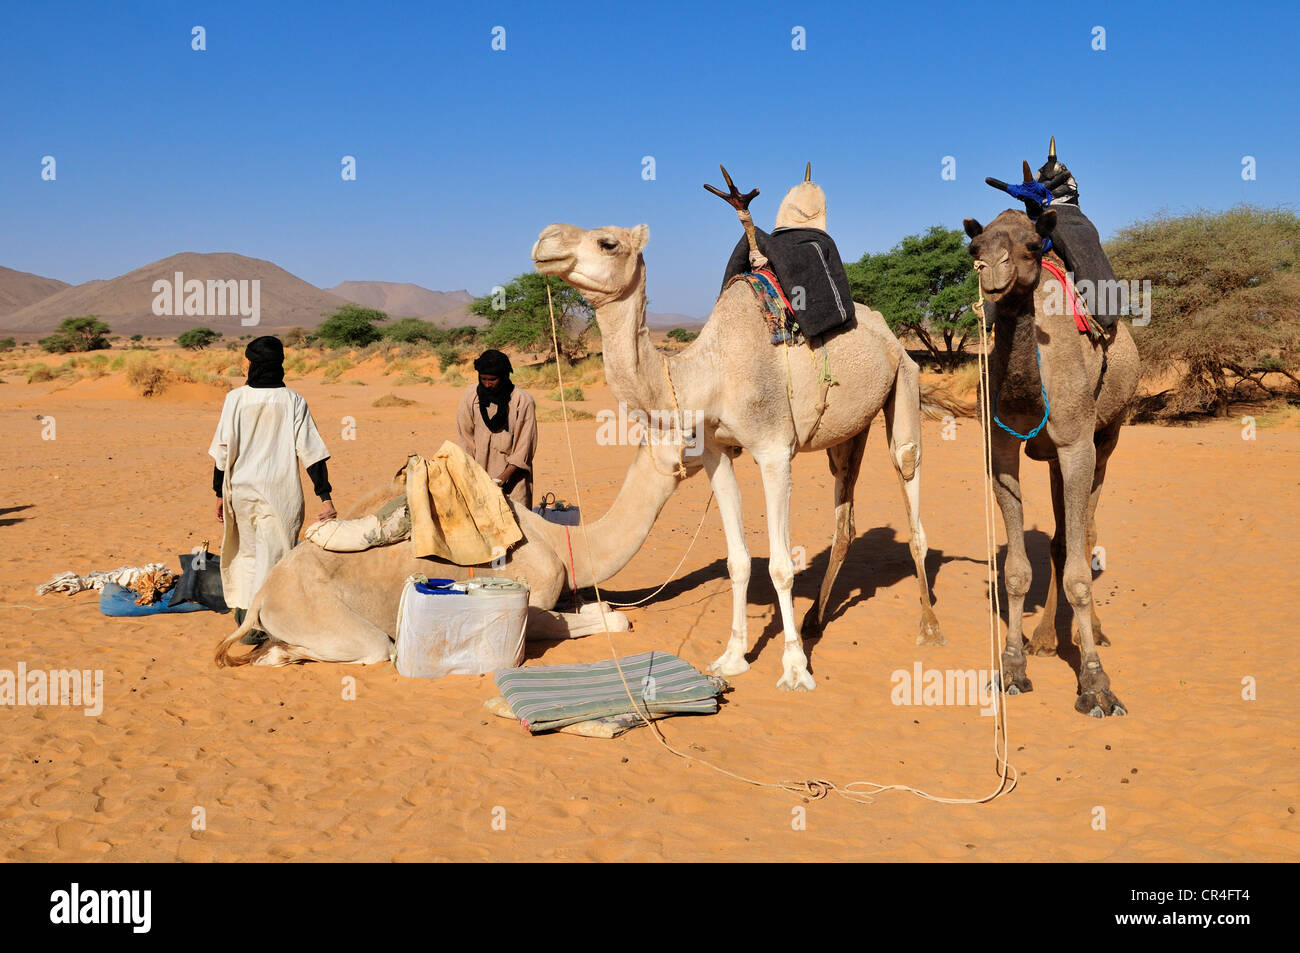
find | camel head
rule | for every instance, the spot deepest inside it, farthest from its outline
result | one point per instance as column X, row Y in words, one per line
column 601, row 263
column 1009, row 253
column 804, row 206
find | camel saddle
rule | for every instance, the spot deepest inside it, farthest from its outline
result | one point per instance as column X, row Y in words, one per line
column 807, row 259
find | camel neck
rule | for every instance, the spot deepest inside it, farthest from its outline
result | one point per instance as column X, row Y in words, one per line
column 617, row 536
column 634, row 367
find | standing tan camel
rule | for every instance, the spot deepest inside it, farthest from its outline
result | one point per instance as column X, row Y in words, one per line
column 1038, row 351
column 342, row 607
column 736, row 386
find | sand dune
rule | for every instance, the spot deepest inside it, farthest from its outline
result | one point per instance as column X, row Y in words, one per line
column 1196, row 595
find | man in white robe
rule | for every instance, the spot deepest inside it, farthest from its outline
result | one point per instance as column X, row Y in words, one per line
column 265, row 429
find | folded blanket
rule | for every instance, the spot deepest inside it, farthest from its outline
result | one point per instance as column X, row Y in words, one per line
column 545, row 698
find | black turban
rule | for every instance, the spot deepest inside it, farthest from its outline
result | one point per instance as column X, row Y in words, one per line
column 265, row 362
column 494, row 363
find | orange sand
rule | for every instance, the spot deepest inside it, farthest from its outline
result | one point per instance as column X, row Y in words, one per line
column 1198, row 594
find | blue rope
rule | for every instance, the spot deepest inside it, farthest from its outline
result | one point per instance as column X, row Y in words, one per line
column 1047, row 406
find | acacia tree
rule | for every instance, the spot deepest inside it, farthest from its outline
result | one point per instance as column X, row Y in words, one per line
column 86, row 333
column 1225, row 303
column 518, row 317
column 925, row 284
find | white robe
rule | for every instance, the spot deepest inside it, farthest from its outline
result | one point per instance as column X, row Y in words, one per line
column 262, row 434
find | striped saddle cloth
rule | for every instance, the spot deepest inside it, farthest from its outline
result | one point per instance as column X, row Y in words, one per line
column 781, row 325
column 547, row 697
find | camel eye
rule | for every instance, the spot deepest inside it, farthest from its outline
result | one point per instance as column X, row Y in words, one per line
column 608, row 244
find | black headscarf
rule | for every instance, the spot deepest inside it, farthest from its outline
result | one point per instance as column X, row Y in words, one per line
column 265, row 362
column 497, row 365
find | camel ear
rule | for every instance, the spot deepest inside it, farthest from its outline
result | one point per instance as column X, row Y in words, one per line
column 1046, row 222
column 640, row 238
column 973, row 228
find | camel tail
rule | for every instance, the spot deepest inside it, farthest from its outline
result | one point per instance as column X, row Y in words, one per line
column 223, row 658
column 937, row 402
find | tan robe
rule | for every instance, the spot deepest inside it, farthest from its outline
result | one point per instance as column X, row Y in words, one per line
column 262, row 434
column 493, row 451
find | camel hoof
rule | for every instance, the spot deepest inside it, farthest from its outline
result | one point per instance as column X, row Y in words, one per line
column 1018, row 682
column 1041, row 647
column 727, row 666
column 1100, row 704
column 797, row 680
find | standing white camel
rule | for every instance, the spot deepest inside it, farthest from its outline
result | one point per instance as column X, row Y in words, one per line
column 737, row 387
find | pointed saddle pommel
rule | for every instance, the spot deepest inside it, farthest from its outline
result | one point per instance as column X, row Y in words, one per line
column 733, row 196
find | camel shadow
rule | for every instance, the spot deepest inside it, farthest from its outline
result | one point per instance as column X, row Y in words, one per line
column 13, row 509
column 876, row 560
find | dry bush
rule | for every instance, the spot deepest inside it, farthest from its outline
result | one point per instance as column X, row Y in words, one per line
column 146, row 373
column 336, row 367
column 39, row 373
column 555, row 414
column 570, row 392
column 392, row 400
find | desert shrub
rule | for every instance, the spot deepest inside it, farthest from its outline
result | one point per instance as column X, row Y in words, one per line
column 454, row 378
column 7, row 344
column 411, row 377
column 294, row 337
column 39, row 373
column 448, row 355
column 681, row 334
column 392, row 400
column 555, row 414
column 336, row 367
column 146, row 373
column 569, row 392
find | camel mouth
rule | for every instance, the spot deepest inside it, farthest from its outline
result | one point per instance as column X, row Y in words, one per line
column 552, row 265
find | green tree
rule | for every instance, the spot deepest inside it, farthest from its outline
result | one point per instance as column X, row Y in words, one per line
column 196, row 339
column 413, row 329
column 524, row 322
column 86, row 333
column 1225, row 303
column 350, row 326
column 925, row 284
column 681, row 334
column 7, row 344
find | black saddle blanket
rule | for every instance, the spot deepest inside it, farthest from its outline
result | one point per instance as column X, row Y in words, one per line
column 803, row 259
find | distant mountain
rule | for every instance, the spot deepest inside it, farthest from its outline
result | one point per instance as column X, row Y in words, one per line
column 126, row 303
column 401, row 300
column 18, row 289
column 656, row 319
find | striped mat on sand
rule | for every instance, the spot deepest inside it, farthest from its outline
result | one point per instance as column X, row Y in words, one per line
column 546, row 697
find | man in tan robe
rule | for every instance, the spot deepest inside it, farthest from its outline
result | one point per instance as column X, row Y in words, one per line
column 496, row 424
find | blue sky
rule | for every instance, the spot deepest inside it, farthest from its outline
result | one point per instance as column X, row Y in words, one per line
column 464, row 154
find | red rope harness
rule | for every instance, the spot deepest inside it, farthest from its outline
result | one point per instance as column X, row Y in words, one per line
column 1080, row 320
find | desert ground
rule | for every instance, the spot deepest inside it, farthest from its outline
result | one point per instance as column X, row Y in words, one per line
column 1197, row 595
